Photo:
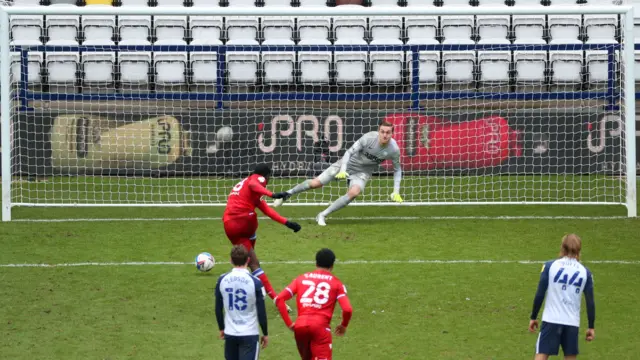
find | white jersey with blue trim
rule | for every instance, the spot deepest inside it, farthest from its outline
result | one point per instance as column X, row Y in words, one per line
column 566, row 281
column 239, row 291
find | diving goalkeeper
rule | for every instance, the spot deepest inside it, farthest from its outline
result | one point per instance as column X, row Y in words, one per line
column 357, row 165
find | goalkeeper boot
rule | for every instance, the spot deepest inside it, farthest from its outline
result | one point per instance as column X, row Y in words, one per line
column 320, row 220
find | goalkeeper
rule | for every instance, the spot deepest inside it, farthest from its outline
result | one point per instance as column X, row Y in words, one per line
column 357, row 165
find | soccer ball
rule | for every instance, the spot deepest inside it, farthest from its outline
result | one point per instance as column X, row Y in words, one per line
column 205, row 262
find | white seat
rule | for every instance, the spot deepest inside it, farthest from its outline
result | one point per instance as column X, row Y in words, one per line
column 314, row 65
column 63, row 27
column 170, row 66
column 458, row 66
column 242, row 3
column 314, row 28
column 98, row 67
column 494, row 66
column 98, row 27
column 429, row 62
column 597, row 62
column 566, row 66
column 421, row 29
column 242, row 66
column 35, row 60
column 134, row 27
column 283, row 3
column 528, row 28
column 384, row 2
column 204, row 65
column 530, row 66
column 564, row 28
column 350, row 67
column 600, row 28
column 385, row 28
column 492, row 28
column 135, row 66
column 386, row 66
column 278, row 66
column 62, row 67
column 170, row 27
column 457, row 28
column 313, row 3
column 205, row 28
column 349, row 29
column 242, row 28
column 26, row 27
column 278, row 29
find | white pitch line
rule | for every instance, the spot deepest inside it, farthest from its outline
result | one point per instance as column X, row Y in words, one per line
column 306, row 262
column 348, row 218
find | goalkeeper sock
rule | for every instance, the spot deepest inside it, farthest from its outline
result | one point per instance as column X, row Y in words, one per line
column 337, row 205
column 259, row 273
column 303, row 186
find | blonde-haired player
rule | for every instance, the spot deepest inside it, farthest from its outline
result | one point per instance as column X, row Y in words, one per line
column 357, row 165
column 563, row 280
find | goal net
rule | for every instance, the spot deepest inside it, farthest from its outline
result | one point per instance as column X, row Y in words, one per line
column 173, row 104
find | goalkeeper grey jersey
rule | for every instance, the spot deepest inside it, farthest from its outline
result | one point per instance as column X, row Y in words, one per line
column 366, row 154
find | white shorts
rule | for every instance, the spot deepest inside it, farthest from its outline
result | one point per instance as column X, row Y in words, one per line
column 359, row 178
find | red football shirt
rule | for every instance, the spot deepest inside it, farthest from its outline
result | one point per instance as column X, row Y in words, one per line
column 318, row 291
column 246, row 195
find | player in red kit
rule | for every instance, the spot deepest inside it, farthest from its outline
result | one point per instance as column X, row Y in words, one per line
column 241, row 221
column 317, row 293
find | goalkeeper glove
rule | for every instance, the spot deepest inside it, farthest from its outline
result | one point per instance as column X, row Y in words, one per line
column 281, row 195
column 342, row 175
column 396, row 197
column 293, row 226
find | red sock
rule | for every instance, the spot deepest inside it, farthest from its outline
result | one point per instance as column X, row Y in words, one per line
column 265, row 282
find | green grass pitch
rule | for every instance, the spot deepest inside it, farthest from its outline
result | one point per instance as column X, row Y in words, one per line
column 402, row 310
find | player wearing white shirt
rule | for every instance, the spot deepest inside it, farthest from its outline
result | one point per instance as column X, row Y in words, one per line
column 357, row 165
column 240, row 296
column 564, row 281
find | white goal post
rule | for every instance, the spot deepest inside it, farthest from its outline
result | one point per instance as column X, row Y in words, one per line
column 461, row 107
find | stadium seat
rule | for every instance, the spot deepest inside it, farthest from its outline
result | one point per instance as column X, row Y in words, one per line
column 242, row 29
column 384, row 2
column 206, row 28
column 278, row 67
column 313, row 3
column 204, row 66
column 429, row 62
column 242, row 3
column 134, row 27
column 242, row 66
column 458, row 68
column 35, row 62
column 98, row 27
column 63, row 27
column 98, row 2
column 528, row 29
column 283, row 3
column 169, row 27
column 564, row 28
column 600, row 28
column 597, row 65
column 422, row 29
column 62, row 67
column 530, row 67
column 350, row 67
column 314, row 29
column 135, row 66
column 492, row 29
column 566, row 66
column 170, row 66
column 494, row 69
column 385, row 29
column 386, row 67
column 457, row 28
column 26, row 28
column 314, row 66
column 98, row 67
column 278, row 30
column 351, row 30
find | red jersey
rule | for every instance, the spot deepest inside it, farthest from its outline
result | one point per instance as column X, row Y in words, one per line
column 246, row 195
column 318, row 291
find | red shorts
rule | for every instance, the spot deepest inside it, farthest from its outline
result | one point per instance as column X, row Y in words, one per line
column 241, row 229
column 313, row 341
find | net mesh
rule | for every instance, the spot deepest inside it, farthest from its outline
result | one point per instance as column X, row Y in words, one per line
column 483, row 110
